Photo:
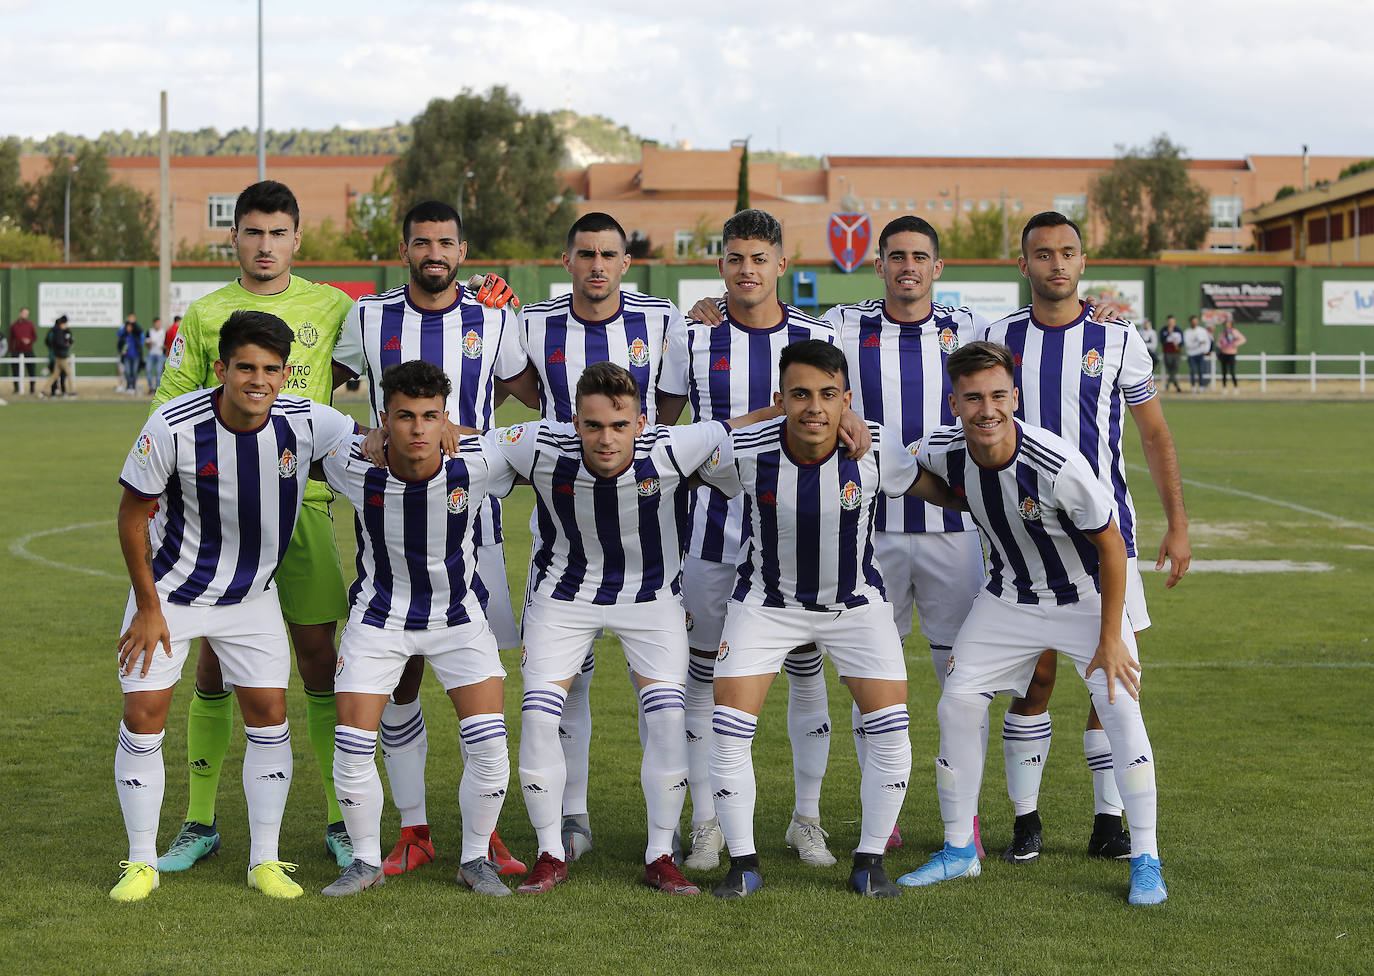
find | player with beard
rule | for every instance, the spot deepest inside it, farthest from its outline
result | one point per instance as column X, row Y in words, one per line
column 434, row 319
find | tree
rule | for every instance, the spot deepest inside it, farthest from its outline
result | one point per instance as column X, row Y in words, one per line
column 325, row 241
column 11, row 190
column 374, row 227
column 742, row 192
column 19, row 246
column 1149, row 203
column 978, row 237
column 110, row 221
column 513, row 199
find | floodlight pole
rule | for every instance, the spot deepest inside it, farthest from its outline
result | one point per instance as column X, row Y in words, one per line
column 262, row 140
column 67, row 217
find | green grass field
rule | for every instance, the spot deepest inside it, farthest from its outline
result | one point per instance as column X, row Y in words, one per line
column 1258, row 691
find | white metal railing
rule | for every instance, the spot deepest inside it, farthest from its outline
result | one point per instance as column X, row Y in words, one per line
column 32, row 368
column 1312, row 360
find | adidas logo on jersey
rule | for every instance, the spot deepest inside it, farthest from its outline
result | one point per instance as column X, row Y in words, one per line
column 873, row 342
column 557, row 356
column 393, row 344
column 819, row 733
column 208, row 470
column 565, row 488
column 768, row 498
column 722, row 364
column 276, row 777
column 376, row 500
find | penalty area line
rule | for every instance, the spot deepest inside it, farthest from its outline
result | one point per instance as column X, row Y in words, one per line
column 19, row 547
column 1334, row 519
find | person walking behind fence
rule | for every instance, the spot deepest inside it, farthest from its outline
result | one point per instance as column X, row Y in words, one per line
column 1229, row 341
column 60, row 341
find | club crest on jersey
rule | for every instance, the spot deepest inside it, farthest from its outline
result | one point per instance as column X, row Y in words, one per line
column 338, row 668
column 307, row 335
column 514, row 433
column 639, row 353
column 648, row 487
column 457, row 501
column 949, row 340
column 689, row 620
column 914, row 448
column 286, row 466
column 143, row 447
column 178, row 350
column 1029, row 509
column 850, row 495
column 724, row 651
column 1092, row 363
column 713, row 461
column 949, row 666
column 472, row 344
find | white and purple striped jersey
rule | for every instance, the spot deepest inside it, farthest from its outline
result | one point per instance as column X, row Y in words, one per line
column 1035, row 513
column 561, row 346
column 897, row 373
column 606, row 540
column 228, row 500
column 809, row 542
column 417, row 558
column 727, row 371
column 473, row 344
column 1077, row 381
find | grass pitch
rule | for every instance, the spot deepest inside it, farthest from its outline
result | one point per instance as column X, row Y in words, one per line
column 1257, row 696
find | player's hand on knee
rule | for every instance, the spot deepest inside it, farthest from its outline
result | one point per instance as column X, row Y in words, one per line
column 708, row 311
column 373, row 447
column 146, row 631
column 493, row 291
column 855, row 435
column 1116, row 664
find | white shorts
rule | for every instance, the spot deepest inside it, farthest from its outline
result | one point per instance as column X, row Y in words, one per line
column 706, row 589
column 936, row 573
column 371, row 658
column 249, row 638
column 558, row 634
column 1136, row 612
column 1000, row 642
column 491, row 566
column 862, row 641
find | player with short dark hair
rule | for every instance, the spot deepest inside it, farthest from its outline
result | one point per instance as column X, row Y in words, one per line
column 419, row 594
column 1078, row 379
column 808, row 577
column 212, row 491
column 1057, row 582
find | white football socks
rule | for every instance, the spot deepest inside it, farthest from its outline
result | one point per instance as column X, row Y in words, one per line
column 266, row 782
column 885, row 775
column 700, row 705
column 808, row 727
column 732, row 776
column 959, row 767
column 1134, row 763
column 1097, row 750
column 1026, row 747
column 359, row 790
column 663, row 769
column 140, row 780
column 542, row 770
column 575, row 733
column 405, row 747
column 486, row 774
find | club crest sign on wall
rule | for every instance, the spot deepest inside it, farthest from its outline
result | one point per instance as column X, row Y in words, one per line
column 849, row 235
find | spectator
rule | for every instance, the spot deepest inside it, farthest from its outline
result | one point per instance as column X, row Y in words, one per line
column 1172, row 343
column 23, row 337
column 1228, row 343
column 171, row 335
column 60, row 341
column 1151, row 337
column 130, row 346
column 1197, row 344
column 156, row 345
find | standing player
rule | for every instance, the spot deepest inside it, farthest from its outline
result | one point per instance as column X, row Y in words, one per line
column 212, row 489
column 597, row 322
column 1077, row 379
column 1057, row 581
column 807, row 575
column 434, row 319
column 725, row 372
column 419, row 593
column 607, row 557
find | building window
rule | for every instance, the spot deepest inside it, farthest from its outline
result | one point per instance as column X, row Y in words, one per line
column 931, row 205
column 984, row 206
column 1316, row 230
column 221, row 209
column 1277, row 239
column 682, row 243
column 1016, row 206
column 1226, row 212
column 1071, row 205
column 715, row 245
column 911, row 204
column 949, row 204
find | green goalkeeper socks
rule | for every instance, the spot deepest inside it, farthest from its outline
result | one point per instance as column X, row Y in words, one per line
column 208, row 729
column 321, row 716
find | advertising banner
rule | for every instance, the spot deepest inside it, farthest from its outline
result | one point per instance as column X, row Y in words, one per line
column 1127, row 294
column 990, row 299
column 1255, row 302
column 1348, row 303
column 85, row 303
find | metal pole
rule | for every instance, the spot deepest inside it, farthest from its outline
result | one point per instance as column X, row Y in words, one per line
column 262, row 139
column 164, row 242
column 67, row 218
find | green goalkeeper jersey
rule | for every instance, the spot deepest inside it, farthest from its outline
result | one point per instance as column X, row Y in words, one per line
column 315, row 312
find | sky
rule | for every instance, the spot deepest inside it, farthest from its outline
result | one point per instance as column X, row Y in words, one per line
column 1223, row 78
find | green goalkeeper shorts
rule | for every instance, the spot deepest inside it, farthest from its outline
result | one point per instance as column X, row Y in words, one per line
column 309, row 581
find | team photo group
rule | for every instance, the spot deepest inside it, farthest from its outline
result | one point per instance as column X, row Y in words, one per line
column 738, row 492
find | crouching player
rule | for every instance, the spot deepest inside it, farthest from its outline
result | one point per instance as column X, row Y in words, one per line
column 807, row 575
column 1057, row 580
column 212, row 490
column 418, row 594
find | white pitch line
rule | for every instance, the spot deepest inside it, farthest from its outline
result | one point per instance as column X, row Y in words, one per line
column 1335, row 519
column 19, row 548
column 1277, row 665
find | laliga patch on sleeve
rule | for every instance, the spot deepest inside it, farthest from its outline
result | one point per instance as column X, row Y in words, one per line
column 178, row 350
